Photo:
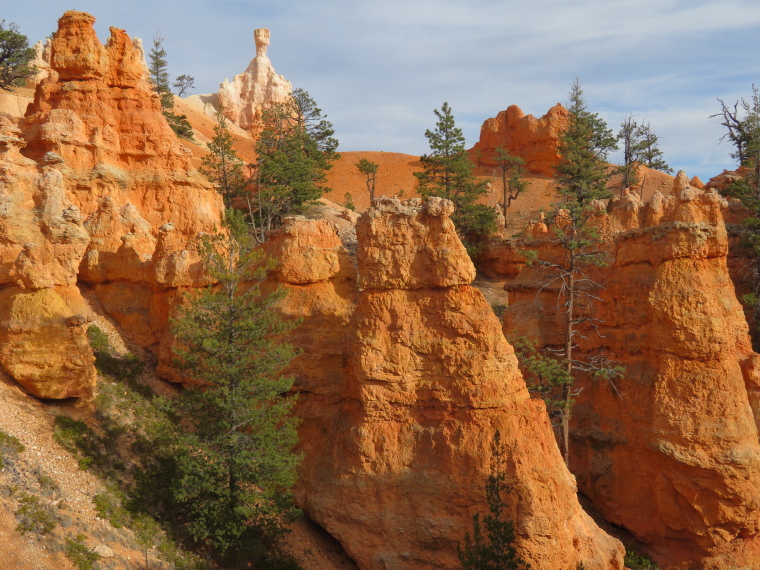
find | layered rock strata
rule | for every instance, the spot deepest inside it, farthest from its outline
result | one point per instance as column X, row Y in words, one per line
column 397, row 439
column 669, row 450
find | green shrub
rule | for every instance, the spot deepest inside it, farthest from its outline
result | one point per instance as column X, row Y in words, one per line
column 98, row 340
column 76, row 551
column 499, row 309
column 48, row 485
column 79, row 439
column 127, row 368
column 108, row 506
column 34, row 516
column 9, row 445
column 637, row 561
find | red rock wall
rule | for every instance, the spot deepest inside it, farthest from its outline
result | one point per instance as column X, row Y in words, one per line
column 671, row 450
column 533, row 140
column 399, row 415
column 96, row 190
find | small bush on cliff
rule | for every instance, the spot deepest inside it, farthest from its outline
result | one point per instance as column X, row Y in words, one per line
column 15, row 57
column 9, row 447
column 35, row 516
column 495, row 550
column 81, row 556
column 637, row 561
column 448, row 173
column 233, row 459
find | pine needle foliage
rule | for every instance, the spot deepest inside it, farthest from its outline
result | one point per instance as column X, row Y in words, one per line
column 581, row 182
column 449, row 173
column 158, row 69
column 234, row 462
column 495, row 549
column 221, row 165
column 296, row 149
column 15, row 57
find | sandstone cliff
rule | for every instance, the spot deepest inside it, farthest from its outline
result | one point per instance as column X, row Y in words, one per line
column 96, row 191
column 670, row 450
column 400, row 406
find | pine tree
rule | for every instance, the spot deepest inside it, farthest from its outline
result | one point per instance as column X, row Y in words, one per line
column 512, row 182
column 296, row 148
column 649, row 149
column 369, row 170
column 234, row 458
column 159, row 72
column 222, row 165
column 495, row 550
column 628, row 136
column 183, row 84
column 747, row 189
column 581, row 178
column 448, row 173
column 15, row 57
column 640, row 146
column 159, row 78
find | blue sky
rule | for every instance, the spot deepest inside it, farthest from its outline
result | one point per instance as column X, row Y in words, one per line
column 378, row 69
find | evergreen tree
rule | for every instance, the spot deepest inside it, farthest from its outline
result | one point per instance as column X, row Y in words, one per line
column 296, row 148
column 581, row 178
column 183, row 84
column 159, row 78
column 628, row 136
column 15, row 57
column 650, row 154
column 234, row 458
column 222, row 165
column 640, row 146
column 747, row 189
column 448, row 173
column 495, row 550
column 369, row 170
column 512, row 182
column 158, row 67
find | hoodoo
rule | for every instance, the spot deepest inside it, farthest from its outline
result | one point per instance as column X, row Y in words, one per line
column 397, row 439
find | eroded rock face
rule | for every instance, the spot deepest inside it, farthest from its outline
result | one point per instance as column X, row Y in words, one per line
column 244, row 98
column 397, row 437
column 96, row 191
column 670, row 450
column 534, row 140
column 44, row 344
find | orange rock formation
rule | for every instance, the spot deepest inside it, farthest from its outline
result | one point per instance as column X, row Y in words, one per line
column 399, row 408
column 533, row 140
column 101, row 193
column 670, row 450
